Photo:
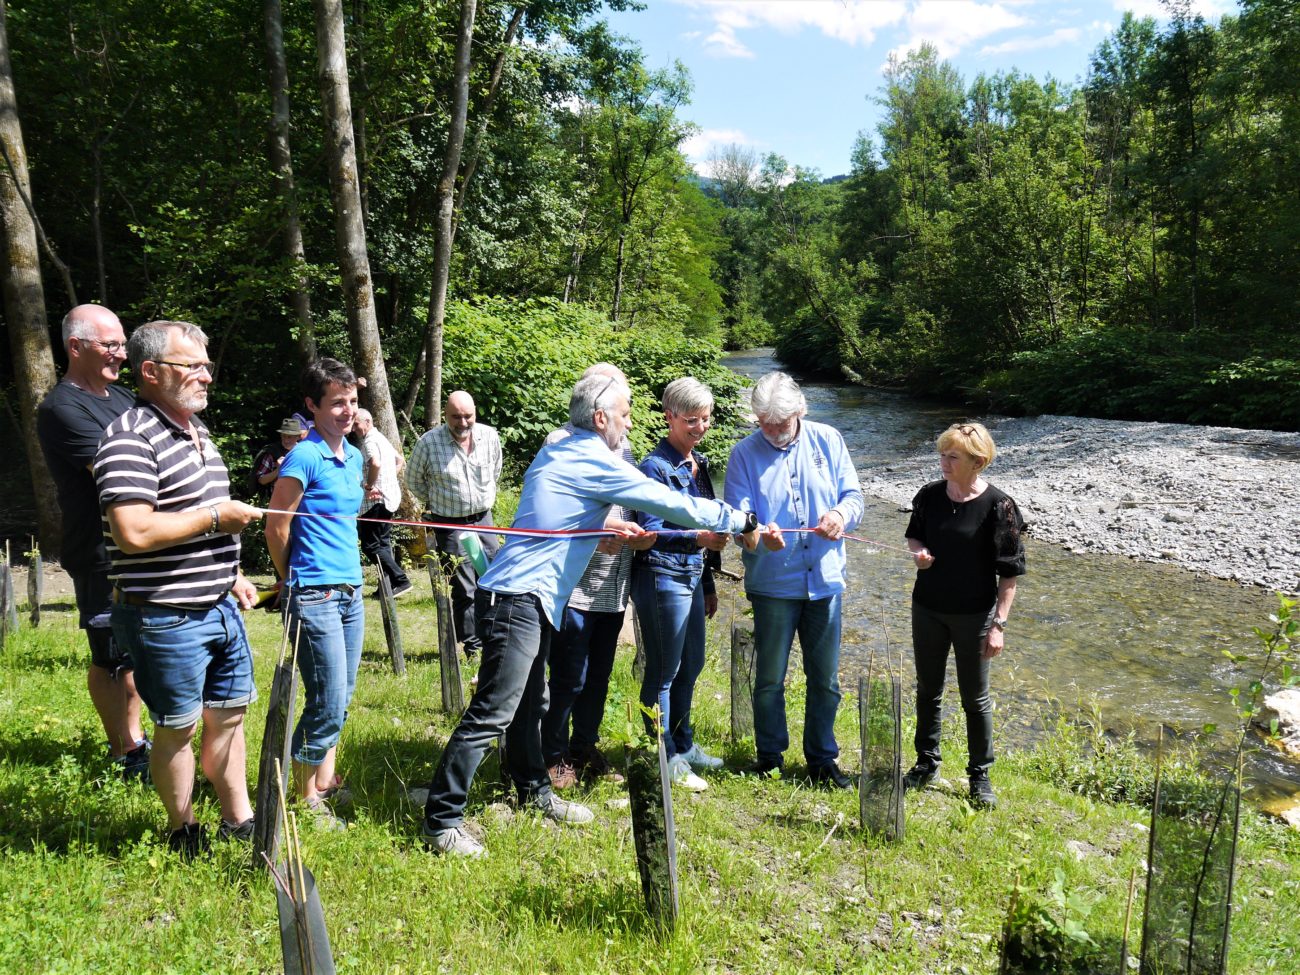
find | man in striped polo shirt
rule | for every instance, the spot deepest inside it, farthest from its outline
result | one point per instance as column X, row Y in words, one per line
column 172, row 534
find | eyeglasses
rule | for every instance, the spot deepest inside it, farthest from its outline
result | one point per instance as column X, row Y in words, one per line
column 191, row 368
column 112, row 348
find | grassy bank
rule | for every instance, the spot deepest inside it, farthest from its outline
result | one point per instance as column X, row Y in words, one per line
column 774, row 877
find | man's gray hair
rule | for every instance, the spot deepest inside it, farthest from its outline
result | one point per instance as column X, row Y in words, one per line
column 604, row 369
column 364, row 414
column 148, row 343
column 687, row 395
column 776, row 397
column 76, row 327
column 592, row 394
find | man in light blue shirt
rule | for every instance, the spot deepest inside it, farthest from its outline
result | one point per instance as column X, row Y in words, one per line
column 795, row 474
column 570, row 485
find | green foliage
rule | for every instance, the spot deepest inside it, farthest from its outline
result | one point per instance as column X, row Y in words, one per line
column 521, row 359
column 1281, row 644
column 1081, row 757
column 1046, row 931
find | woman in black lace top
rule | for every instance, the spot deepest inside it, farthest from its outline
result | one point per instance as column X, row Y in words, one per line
column 965, row 536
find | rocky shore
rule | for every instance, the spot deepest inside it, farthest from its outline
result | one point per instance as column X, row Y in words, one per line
column 1217, row 500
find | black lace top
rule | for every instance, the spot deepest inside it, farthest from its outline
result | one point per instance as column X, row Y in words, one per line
column 974, row 543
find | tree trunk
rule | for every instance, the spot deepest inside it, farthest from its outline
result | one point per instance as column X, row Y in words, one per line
column 359, row 108
column 24, row 298
column 445, row 203
column 471, row 163
column 349, row 229
column 282, row 167
column 618, row 272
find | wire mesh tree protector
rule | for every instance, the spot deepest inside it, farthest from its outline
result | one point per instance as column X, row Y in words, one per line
column 1191, row 861
column 650, row 793
column 392, row 627
column 453, row 694
column 880, row 787
column 742, row 681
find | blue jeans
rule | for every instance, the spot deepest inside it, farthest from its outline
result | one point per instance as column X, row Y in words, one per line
column 187, row 659
column 329, row 651
column 511, row 698
column 776, row 621
column 582, row 658
column 932, row 635
column 670, row 606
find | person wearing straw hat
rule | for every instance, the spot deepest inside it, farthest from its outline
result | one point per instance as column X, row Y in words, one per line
column 266, row 465
column 795, row 474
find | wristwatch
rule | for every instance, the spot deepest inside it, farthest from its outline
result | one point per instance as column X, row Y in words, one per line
column 751, row 523
column 999, row 622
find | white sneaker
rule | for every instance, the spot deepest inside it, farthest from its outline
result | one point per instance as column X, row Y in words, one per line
column 455, row 841
column 679, row 770
column 700, row 760
column 562, row 810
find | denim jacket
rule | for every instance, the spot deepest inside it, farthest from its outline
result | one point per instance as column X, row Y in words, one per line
column 678, row 554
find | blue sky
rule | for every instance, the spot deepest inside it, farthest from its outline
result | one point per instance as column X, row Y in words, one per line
column 799, row 77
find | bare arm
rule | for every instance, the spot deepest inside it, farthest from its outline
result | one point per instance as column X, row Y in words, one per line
column 286, row 497
column 996, row 639
column 138, row 528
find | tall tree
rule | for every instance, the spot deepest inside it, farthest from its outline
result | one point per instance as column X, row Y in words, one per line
column 282, row 166
column 445, row 200
column 24, row 297
column 349, row 228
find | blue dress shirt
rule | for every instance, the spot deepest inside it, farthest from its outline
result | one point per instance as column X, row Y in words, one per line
column 794, row 486
column 571, row 485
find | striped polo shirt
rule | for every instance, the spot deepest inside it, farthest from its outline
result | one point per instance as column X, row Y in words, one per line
column 145, row 456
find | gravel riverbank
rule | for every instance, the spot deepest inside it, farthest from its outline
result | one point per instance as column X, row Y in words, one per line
column 1217, row 500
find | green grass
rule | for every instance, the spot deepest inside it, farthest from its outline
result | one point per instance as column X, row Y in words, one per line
column 774, row 876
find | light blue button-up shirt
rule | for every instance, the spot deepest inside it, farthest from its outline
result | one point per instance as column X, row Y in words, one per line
column 571, row 485
column 794, row 486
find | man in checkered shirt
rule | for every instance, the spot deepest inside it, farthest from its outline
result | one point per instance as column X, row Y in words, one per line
column 453, row 471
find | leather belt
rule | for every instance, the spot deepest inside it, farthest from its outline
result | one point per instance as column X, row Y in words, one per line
column 456, row 520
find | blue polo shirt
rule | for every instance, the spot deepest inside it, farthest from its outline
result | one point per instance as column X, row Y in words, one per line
column 794, row 486
column 325, row 551
column 571, row 484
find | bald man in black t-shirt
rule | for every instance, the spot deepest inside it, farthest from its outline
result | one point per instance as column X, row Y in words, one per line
column 70, row 422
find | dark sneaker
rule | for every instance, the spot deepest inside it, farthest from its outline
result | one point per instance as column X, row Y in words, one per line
column 830, row 775
column 769, row 767
column 338, row 795
column 190, row 841
column 982, row 795
column 591, row 764
column 134, row 765
column 243, row 832
column 919, row 776
column 563, row 775
column 402, row 588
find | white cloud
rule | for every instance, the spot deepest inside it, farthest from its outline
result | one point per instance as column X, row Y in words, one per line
column 855, row 22
column 698, row 146
column 953, row 26
column 1062, row 35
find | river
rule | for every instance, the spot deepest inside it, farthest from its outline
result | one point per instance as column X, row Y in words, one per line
column 1136, row 645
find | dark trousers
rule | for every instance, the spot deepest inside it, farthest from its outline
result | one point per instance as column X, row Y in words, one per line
column 511, row 698
column 460, row 573
column 582, row 658
column 377, row 544
column 932, row 636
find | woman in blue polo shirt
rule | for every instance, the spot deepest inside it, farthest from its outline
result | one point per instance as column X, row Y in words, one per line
column 320, row 563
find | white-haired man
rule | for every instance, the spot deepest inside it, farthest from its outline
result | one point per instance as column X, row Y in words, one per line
column 571, row 485
column 70, row 422
column 795, row 474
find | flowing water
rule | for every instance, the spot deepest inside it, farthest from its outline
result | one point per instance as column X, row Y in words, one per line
column 1137, row 644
